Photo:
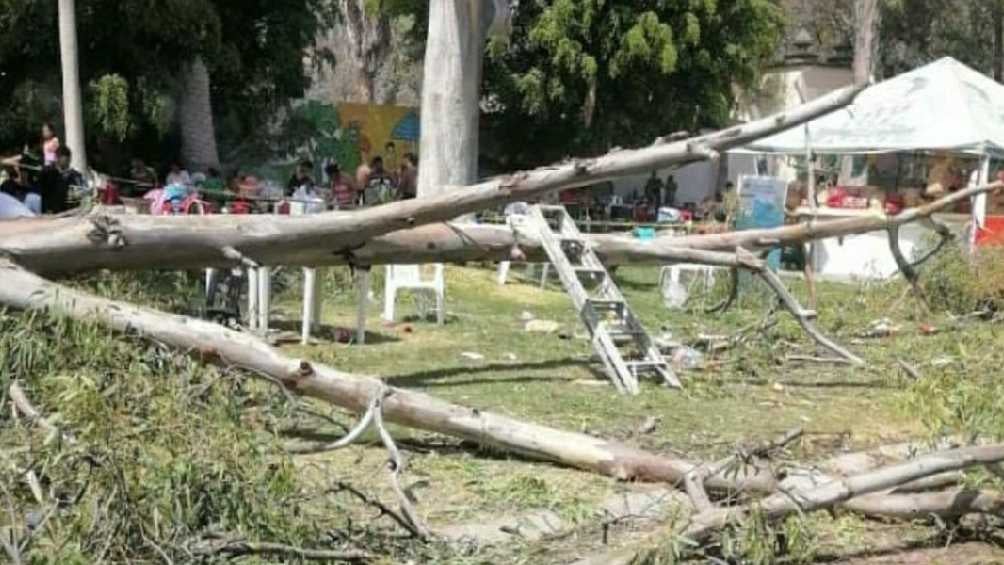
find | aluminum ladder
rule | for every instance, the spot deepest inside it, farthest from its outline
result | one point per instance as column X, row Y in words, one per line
column 618, row 337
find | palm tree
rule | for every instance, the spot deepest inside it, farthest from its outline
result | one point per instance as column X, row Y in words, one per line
column 73, row 114
column 195, row 112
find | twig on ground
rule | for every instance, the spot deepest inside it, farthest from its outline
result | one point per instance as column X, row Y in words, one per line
column 804, row 317
column 820, row 360
column 909, row 369
column 341, row 486
column 28, row 410
column 239, row 548
column 397, row 465
column 354, row 434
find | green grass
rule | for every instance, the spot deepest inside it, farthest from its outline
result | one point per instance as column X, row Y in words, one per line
column 159, row 419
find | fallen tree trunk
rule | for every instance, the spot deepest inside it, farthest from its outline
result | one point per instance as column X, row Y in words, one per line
column 65, row 245
column 36, row 241
column 213, row 343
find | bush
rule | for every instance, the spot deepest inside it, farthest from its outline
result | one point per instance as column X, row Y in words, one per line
column 955, row 281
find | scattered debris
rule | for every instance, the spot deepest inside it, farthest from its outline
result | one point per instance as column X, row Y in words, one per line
column 511, row 357
column 526, row 316
column 665, row 342
column 909, row 369
column 687, row 358
column 928, row 329
column 471, row 356
column 542, row 326
column 649, row 425
column 883, row 327
column 344, row 335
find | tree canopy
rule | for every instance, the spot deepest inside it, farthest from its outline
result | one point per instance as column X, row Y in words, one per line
column 131, row 52
column 581, row 76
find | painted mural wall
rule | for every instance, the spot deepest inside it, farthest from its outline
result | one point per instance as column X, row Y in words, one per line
column 348, row 134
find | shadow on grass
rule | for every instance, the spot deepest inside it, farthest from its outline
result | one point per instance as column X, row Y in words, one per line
column 328, row 332
column 437, row 377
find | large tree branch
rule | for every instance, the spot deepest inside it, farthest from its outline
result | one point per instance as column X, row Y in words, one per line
column 124, row 242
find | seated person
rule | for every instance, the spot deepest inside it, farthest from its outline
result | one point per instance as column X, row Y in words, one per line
column 344, row 195
column 57, row 183
column 301, row 177
column 178, row 175
column 144, row 177
column 379, row 187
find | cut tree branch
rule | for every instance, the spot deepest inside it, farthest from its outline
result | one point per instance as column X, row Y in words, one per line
column 51, row 246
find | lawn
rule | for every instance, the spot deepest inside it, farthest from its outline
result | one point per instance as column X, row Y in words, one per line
column 743, row 394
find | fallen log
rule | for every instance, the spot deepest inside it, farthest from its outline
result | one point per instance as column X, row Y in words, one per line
column 213, row 343
column 25, row 240
column 64, row 245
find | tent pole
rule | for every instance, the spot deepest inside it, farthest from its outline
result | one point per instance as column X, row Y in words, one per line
column 810, row 256
column 979, row 203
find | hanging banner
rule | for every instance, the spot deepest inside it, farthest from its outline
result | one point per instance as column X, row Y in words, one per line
column 761, row 205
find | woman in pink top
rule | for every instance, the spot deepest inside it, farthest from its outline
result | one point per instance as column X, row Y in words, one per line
column 50, row 144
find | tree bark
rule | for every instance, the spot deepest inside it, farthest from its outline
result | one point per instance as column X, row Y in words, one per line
column 451, row 96
column 124, row 242
column 866, row 42
column 70, row 245
column 195, row 112
column 73, row 113
column 368, row 47
column 998, row 23
column 213, row 343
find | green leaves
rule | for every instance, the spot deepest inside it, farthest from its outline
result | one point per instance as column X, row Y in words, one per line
column 595, row 74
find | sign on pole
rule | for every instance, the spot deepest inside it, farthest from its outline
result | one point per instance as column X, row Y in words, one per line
column 761, row 205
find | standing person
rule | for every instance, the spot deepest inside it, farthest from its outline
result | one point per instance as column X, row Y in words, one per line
column 343, row 192
column 390, row 158
column 301, row 177
column 653, row 190
column 407, row 183
column 50, row 145
column 363, row 175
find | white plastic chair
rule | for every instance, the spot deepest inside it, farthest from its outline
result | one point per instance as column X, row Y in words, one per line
column 409, row 277
column 675, row 289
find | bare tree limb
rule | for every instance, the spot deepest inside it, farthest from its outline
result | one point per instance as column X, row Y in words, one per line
column 82, row 244
column 239, row 548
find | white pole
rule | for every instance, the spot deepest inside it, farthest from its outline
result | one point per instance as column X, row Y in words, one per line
column 363, row 282
column 309, row 287
column 252, row 298
column 264, row 298
column 979, row 202
column 73, row 113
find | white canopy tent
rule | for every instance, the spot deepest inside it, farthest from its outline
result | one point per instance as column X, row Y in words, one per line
column 943, row 107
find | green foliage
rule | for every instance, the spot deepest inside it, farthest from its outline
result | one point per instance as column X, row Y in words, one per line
column 961, row 283
column 915, row 32
column 254, row 50
column 583, row 76
column 108, row 106
column 757, row 541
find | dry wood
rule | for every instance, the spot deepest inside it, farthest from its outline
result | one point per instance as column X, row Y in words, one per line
column 214, row 343
column 239, row 548
column 131, row 242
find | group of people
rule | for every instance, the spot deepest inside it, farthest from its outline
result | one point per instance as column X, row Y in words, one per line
column 372, row 183
column 42, row 182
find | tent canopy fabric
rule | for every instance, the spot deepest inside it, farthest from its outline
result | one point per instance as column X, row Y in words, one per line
column 943, row 106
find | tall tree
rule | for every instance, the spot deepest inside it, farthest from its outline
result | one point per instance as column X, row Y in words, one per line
column 195, row 114
column 451, row 94
column 73, row 112
column 866, row 29
column 583, row 76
